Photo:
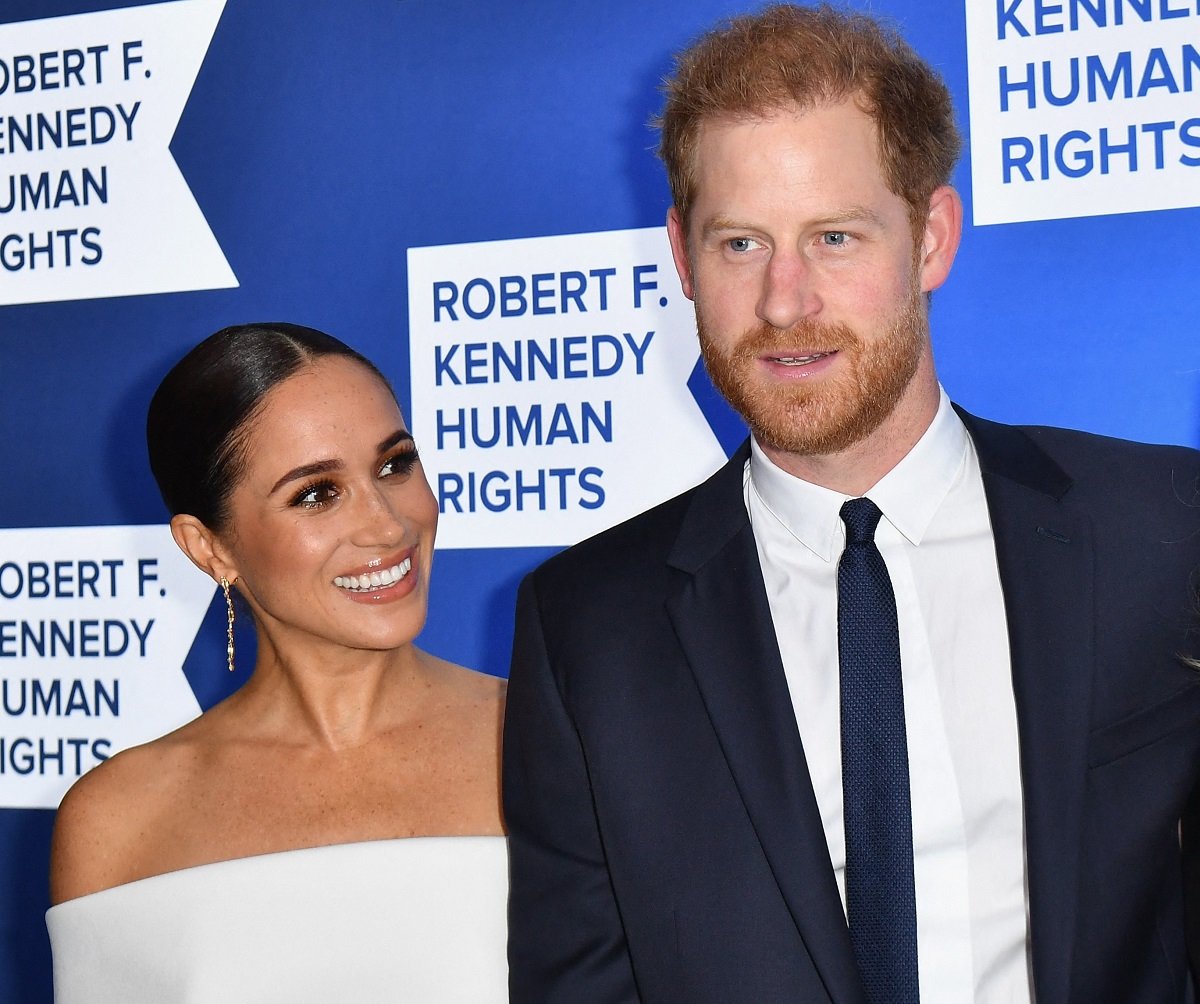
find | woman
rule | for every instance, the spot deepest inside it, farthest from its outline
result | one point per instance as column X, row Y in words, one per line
column 252, row 854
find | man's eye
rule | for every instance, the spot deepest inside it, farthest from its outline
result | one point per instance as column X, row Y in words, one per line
column 835, row 238
column 742, row 244
column 315, row 496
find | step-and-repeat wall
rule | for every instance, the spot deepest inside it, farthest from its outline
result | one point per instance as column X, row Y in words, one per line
column 467, row 192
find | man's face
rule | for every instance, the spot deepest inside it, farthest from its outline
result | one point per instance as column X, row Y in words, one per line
column 807, row 281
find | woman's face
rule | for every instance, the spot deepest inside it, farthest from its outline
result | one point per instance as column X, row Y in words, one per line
column 331, row 528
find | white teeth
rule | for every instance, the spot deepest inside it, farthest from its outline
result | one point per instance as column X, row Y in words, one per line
column 374, row 580
column 799, row 360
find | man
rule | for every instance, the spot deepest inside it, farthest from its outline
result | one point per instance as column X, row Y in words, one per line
column 897, row 705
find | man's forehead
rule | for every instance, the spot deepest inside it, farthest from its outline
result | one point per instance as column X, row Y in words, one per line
column 854, row 105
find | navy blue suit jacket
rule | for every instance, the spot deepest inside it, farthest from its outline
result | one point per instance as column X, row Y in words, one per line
column 664, row 837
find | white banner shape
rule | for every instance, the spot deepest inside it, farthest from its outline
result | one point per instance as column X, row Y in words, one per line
column 92, row 204
column 1082, row 109
column 549, row 385
column 95, row 623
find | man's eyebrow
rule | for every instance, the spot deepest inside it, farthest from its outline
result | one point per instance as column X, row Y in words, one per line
column 722, row 223
column 836, row 218
column 851, row 214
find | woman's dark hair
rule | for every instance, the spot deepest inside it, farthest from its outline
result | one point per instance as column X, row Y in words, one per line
column 195, row 428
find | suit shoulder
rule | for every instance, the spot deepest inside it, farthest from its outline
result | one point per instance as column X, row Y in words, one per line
column 1121, row 467
column 1066, row 443
column 637, row 542
column 635, row 556
column 1084, row 459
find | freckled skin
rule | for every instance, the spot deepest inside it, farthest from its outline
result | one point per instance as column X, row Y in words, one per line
column 346, row 731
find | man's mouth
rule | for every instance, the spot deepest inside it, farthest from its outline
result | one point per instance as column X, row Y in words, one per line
column 373, row 580
column 798, row 360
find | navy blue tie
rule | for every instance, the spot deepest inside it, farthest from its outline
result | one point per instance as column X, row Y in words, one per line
column 880, row 896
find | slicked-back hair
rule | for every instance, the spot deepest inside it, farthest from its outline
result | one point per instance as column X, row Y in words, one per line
column 788, row 58
column 198, row 417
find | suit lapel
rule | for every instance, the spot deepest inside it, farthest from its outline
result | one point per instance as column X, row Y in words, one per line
column 1045, row 555
column 1045, row 558
column 721, row 615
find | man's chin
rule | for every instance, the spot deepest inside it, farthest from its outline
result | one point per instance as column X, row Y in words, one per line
column 818, row 426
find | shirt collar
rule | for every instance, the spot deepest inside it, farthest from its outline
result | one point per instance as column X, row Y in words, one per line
column 908, row 495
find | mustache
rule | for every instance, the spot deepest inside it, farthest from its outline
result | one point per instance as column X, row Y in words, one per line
column 807, row 334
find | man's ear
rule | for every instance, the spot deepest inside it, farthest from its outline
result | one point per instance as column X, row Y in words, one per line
column 943, row 230
column 677, row 234
column 203, row 547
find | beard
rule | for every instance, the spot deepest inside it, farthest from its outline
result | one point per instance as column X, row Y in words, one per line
column 822, row 416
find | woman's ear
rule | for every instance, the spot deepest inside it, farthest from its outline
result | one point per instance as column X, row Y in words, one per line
column 203, row 547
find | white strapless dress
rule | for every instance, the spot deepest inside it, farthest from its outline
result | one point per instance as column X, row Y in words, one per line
column 416, row 920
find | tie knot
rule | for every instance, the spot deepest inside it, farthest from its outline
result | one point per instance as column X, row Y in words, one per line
column 861, row 516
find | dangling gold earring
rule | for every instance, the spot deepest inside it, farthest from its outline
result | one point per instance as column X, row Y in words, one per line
column 229, row 621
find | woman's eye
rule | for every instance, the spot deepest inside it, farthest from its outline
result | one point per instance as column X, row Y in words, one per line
column 315, row 496
column 398, row 464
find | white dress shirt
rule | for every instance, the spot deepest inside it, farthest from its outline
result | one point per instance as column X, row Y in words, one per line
column 960, row 714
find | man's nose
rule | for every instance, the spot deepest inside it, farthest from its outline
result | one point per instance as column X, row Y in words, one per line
column 789, row 290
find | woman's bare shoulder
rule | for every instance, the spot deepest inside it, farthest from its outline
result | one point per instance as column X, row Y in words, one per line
column 105, row 817
column 469, row 685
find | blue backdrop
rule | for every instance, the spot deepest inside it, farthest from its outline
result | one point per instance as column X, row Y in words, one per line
column 322, row 141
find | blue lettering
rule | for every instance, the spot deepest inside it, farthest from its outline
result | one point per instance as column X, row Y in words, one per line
column 1098, row 13
column 441, row 364
column 599, row 368
column 450, row 489
column 528, row 431
column 561, row 426
column 11, row 572
column 1006, row 16
column 573, row 285
column 499, row 500
column 541, row 293
column 639, row 349
column 476, row 358
column 1189, row 132
column 1140, row 7
column 512, row 296
column 575, row 357
column 640, row 285
column 1008, row 86
column 1157, row 129
column 603, row 274
column 1107, row 149
column 1040, row 9
column 511, row 363
column 476, row 313
column 1122, row 69
column 1016, row 152
column 1047, row 84
column 1083, row 159
column 589, row 481
column 445, row 428
column 1157, row 61
column 444, row 295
